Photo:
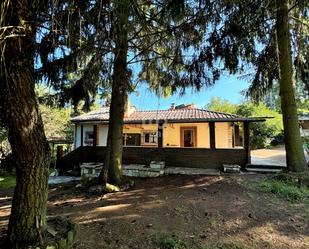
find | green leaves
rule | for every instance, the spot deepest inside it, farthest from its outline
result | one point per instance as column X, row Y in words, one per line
column 261, row 133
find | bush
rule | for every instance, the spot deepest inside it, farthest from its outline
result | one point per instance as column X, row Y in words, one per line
column 7, row 180
column 277, row 139
column 262, row 132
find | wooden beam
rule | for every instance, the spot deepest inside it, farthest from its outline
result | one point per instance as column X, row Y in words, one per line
column 160, row 135
column 247, row 142
column 212, row 135
column 81, row 135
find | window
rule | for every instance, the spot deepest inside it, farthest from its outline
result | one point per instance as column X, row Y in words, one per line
column 89, row 137
column 238, row 135
column 149, row 137
column 131, row 139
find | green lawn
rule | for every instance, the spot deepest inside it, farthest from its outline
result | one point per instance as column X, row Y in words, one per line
column 7, row 180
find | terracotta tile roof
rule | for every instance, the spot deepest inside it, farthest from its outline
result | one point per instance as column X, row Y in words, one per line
column 181, row 115
column 178, row 114
column 96, row 115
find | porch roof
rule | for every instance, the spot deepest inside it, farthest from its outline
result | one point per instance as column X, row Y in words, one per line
column 172, row 116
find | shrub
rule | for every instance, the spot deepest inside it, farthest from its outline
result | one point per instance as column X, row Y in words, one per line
column 7, row 180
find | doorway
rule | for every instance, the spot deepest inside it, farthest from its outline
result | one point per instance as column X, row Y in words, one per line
column 188, row 136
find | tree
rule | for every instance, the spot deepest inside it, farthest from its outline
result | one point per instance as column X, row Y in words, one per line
column 261, row 41
column 120, row 85
column 295, row 155
column 262, row 133
column 25, row 127
column 42, row 30
column 161, row 38
column 221, row 105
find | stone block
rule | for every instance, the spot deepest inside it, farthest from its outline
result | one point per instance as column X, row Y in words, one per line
column 231, row 168
column 157, row 164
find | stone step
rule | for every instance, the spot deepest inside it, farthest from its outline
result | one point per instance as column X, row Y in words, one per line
column 191, row 171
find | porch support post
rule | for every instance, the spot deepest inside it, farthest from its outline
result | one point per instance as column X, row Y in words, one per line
column 247, row 142
column 95, row 134
column 212, row 135
column 81, row 135
column 75, row 136
column 160, row 135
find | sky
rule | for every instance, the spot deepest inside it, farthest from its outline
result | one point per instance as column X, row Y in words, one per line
column 228, row 87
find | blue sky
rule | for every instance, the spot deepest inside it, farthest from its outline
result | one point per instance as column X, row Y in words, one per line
column 228, row 87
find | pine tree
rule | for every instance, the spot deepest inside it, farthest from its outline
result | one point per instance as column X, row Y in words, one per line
column 162, row 38
column 258, row 35
column 29, row 30
column 25, row 127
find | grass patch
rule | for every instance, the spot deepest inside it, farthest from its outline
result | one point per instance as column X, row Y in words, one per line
column 284, row 187
column 7, row 180
column 171, row 242
column 225, row 246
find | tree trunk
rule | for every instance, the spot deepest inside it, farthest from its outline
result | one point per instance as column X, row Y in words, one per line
column 293, row 143
column 113, row 160
column 26, row 132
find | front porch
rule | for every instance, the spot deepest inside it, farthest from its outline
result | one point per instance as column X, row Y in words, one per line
column 207, row 150
column 173, row 157
column 162, row 134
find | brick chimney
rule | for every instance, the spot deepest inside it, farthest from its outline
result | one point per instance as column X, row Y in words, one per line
column 128, row 109
column 172, row 106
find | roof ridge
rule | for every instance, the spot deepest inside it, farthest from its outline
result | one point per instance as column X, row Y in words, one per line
column 198, row 109
column 219, row 112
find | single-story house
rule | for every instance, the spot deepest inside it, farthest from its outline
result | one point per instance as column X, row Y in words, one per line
column 182, row 136
column 304, row 126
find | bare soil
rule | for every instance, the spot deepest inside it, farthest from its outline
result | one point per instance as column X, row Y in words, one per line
column 200, row 210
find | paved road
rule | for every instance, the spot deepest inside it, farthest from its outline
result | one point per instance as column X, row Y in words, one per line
column 275, row 156
column 62, row 179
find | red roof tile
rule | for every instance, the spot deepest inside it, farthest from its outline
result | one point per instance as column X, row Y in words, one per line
column 180, row 115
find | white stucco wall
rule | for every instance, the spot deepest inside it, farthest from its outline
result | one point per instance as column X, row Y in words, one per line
column 86, row 127
column 103, row 135
column 77, row 136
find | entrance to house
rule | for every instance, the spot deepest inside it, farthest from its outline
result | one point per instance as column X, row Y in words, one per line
column 188, row 136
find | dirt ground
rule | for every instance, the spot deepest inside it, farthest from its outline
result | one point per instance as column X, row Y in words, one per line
column 200, row 210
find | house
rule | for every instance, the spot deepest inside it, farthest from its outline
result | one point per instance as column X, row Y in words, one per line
column 182, row 136
column 304, row 126
column 182, row 126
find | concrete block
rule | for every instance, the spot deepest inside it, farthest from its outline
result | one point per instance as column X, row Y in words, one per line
column 157, row 164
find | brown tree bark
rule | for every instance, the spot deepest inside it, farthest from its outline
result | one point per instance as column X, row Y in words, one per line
column 293, row 144
column 25, row 129
column 113, row 161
